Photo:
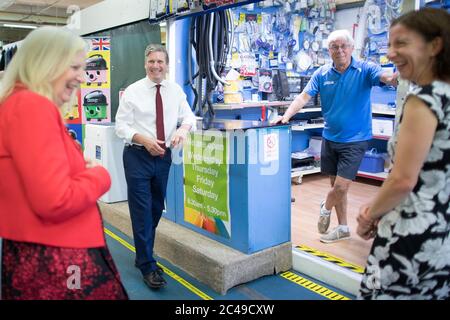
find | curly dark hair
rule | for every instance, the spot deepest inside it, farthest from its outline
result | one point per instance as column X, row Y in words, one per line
column 431, row 23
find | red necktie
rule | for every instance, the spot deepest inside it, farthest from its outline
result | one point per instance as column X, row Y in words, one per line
column 159, row 117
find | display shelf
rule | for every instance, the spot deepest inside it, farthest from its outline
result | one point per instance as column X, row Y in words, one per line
column 379, row 110
column 385, row 112
column 346, row 4
column 382, row 109
column 381, row 176
column 250, row 104
column 242, row 105
column 303, row 110
column 199, row 10
column 378, row 137
column 306, row 110
column 298, row 174
column 307, row 127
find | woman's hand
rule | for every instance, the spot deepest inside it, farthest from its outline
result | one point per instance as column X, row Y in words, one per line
column 367, row 226
column 91, row 163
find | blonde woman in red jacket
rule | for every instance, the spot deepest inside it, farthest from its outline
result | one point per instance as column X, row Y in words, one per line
column 53, row 241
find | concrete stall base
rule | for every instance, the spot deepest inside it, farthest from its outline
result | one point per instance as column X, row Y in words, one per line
column 212, row 263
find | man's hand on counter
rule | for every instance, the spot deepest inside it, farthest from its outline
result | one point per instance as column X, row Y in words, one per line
column 280, row 119
column 180, row 136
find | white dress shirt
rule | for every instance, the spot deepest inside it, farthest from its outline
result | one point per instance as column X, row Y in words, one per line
column 137, row 110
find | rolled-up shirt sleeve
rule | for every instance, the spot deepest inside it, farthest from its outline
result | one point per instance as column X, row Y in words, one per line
column 185, row 114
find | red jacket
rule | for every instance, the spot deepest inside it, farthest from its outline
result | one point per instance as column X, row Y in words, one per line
column 47, row 195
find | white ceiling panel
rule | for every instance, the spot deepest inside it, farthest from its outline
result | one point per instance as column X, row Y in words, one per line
column 34, row 13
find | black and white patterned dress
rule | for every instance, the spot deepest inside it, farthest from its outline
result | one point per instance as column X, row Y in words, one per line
column 410, row 256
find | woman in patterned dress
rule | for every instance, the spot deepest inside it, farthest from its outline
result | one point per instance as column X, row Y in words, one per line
column 410, row 215
column 53, row 241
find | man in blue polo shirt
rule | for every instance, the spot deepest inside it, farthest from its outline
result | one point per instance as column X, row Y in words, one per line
column 344, row 88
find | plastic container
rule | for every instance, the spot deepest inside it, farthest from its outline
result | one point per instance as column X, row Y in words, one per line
column 247, row 94
column 233, row 87
column 372, row 162
column 255, row 95
column 382, row 126
column 232, row 97
column 217, row 97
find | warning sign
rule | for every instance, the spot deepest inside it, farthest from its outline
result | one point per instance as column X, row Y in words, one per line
column 271, row 147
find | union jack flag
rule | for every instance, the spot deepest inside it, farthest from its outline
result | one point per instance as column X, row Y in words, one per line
column 99, row 44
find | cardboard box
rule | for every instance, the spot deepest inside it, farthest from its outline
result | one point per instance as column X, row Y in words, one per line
column 382, row 126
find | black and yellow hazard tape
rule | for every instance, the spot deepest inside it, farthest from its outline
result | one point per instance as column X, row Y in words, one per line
column 330, row 258
column 310, row 285
column 167, row 271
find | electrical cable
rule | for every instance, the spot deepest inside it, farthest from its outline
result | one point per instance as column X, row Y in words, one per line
column 189, row 61
column 210, row 38
column 218, row 40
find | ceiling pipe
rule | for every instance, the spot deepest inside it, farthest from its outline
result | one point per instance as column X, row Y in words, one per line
column 25, row 18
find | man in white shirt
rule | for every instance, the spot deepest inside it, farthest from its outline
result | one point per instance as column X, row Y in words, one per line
column 147, row 118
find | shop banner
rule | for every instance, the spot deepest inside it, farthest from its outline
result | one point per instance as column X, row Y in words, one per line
column 206, row 182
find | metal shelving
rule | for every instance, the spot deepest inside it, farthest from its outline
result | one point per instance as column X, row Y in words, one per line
column 381, row 137
column 381, row 176
column 298, row 174
column 307, row 127
column 250, row 104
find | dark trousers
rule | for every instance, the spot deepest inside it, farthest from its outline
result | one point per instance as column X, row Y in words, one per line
column 146, row 178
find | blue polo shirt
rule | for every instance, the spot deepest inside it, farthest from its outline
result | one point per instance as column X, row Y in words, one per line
column 345, row 99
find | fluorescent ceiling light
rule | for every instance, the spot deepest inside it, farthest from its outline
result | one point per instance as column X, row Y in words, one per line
column 23, row 26
column 5, row 4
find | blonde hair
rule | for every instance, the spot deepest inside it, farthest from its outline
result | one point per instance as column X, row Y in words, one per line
column 43, row 56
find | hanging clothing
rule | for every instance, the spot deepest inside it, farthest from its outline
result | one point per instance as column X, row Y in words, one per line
column 2, row 60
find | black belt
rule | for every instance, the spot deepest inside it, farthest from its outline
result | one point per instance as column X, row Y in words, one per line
column 135, row 146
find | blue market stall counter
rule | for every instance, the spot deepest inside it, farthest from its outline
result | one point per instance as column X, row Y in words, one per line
column 231, row 183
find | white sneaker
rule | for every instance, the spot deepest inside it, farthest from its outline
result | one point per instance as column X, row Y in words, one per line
column 324, row 218
column 336, row 235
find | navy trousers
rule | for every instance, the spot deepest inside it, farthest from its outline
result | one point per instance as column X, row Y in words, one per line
column 146, row 178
